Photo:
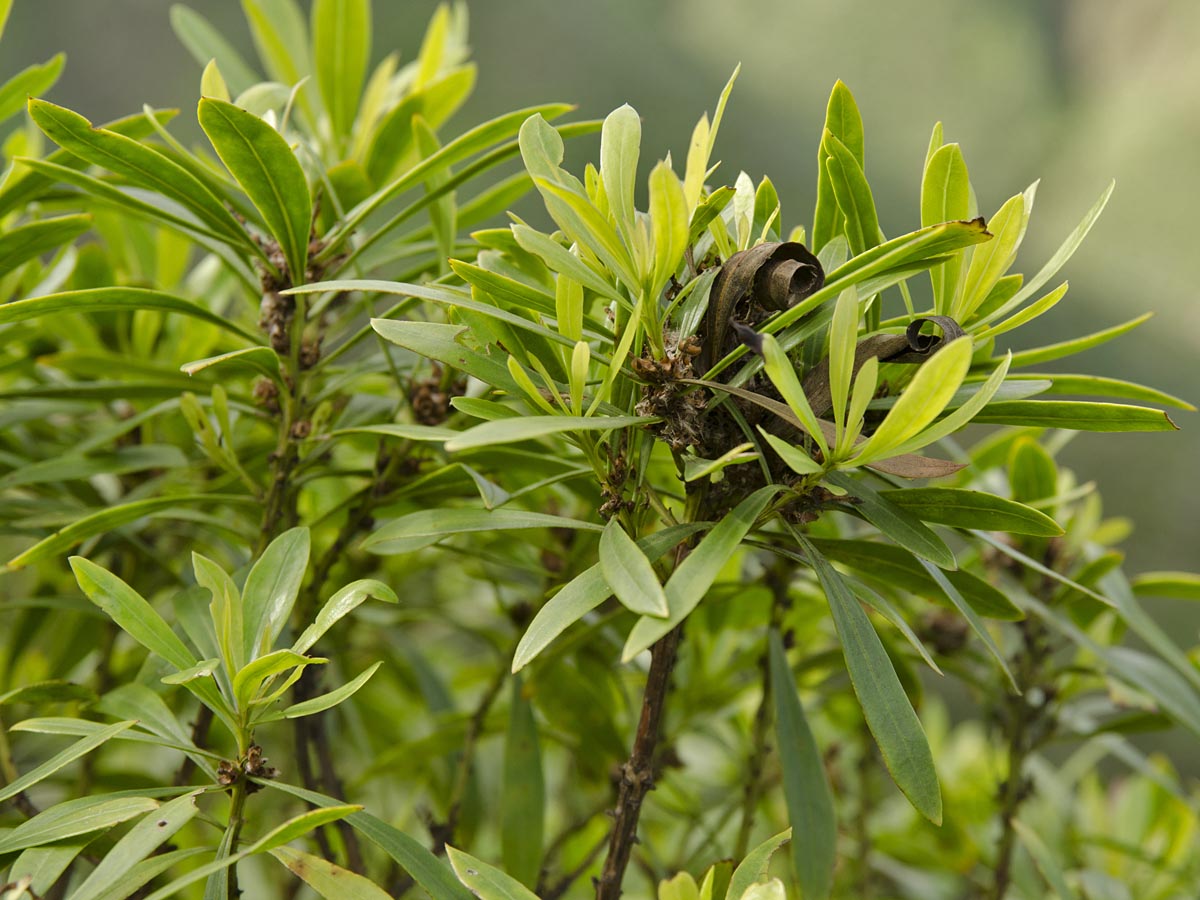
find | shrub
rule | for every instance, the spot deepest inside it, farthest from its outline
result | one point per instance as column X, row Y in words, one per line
column 653, row 499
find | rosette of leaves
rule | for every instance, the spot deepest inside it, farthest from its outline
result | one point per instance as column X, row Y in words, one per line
column 600, row 345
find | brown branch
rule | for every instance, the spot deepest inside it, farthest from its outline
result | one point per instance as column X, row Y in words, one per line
column 637, row 775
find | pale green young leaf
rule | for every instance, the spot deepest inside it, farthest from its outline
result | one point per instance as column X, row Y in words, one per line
column 629, row 573
column 443, row 211
column 139, row 842
column 889, row 714
column 325, row 701
column 508, row 431
column 843, row 335
column 680, row 887
column 945, row 197
column 844, row 121
column 341, row 33
column 205, row 668
column 271, row 588
column 524, row 796
column 264, row 165
column 797, row 460
column 805, row 782
column 140, row 163
column 697, row 165
column 439, row 341
column 32, row 81
column 620, row 146
column 865, row 383
column 695, row 468
column 828, row 221
column 921, row 402
column 428, row 526
column 580, row 358
column 583, row 593
column 5, row 9
column 1028, row 314
column 72, row 818
column 62, row 759
column 1176, row 585
column 695, row 575
column 130, row 611
column 753, row 868
column 770, row 890
column 1051, row 352
column 584, row 225
column 484, row 881
column 281, row 38
column 205, row 43
column 250, row 679
column 783, row 375
column 1065, row 251
column 568, row 307
column 212, row 84
column 990, row 261
column 339, row 605
column 668, row 223
column 225, row 609
column 562, row 261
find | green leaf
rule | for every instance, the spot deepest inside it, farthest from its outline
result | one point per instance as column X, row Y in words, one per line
column 1099, row 386
column 885, row 706
column 74, row 817
column 753, row 868
column 945, row 197
column 264, row 165
column 620, row 145
column 583, row 593
column 147, row 870
column 249, row 679
column 896, row 567
column 1176, row 585
column 61, row 759
column 990, row 261
column 695, row 575
column 330, row 881
column 629, row 573
column 853, row 196
column 115, row 299
column 428, row 526
column 325, row 701
column 130, row 611
column 1050, row 352
column 32, row 81
column 1077, row 415
column 484, row 881
column 341, row 31
column 281, row 38
column 922, row 401
column 44, row 692
column 508, row 431
column 522, row 825
column 559, row 259
column 139, row 842
column 668, row 224
column 805, row 782
column 41, row 865
column 339, row 605
column 973, row 509
column 893, row 519
column 1044, row 859
column 212, row 83
column 262, row 360
column 206, row 43
column 436, row 341
column 425, row 868
column 141, row 164
column 271, row 588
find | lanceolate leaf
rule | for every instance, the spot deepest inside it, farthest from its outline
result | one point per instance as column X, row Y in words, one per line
column 341, row 51
column 484, row 881
column 32, row 81
column 141, row 164
column 114, row 299
column 895, row 521
column 753, row 868
column 507, row 431
column 420, row 529
column 889, row 715
column 330, row 881
column 694, row 576
column 974, row 509
column 74, row 817
column 21, row 244
column 264, row 165
column 1077, row 415
column 524, row 799
column 584, row 593
column 805, row 782
column 327, row 700
column 271, row 589
column 205, row 42
column 629, row 573
column 61, row 759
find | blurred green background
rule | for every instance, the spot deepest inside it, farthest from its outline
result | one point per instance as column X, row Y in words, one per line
column 1075, row 92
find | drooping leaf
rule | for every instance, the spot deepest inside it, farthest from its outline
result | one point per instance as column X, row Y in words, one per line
column 339, row 605
column 805, row 782
column 895, row 521
column 973, row 509
column 74, row 817
column 325, row 701
column 61, row 759
column 885, row 706
column 629, row 572
column 21, row 244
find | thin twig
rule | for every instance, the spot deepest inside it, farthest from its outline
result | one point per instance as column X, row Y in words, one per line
column 637, row 775
column 556, row 890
